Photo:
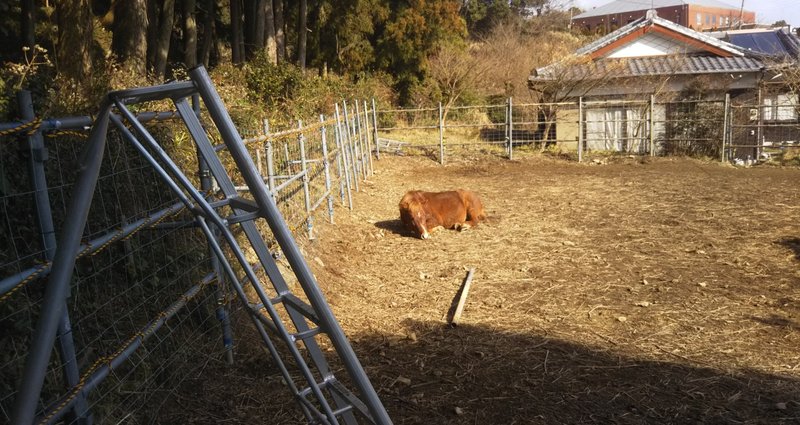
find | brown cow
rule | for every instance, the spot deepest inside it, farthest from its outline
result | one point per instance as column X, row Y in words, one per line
column 422, row 212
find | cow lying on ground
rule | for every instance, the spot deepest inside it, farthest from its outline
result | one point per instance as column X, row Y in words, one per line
column 422, row 212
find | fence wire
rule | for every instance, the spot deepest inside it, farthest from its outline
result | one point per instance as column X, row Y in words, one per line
column 746, row 127
column 142, row 312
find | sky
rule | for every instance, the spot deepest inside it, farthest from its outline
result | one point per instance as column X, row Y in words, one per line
column 767, row 11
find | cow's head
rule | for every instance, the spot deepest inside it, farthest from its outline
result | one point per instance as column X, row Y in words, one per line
column 414, row 214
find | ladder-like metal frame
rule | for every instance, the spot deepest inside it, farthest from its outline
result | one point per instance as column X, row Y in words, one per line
column 322, row 397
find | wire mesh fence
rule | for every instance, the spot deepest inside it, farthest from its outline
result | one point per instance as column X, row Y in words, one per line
column 145, row 308
column 730, row 129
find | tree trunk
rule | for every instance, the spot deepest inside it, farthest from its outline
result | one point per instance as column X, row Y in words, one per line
column 28, row 24
column 189, row 34
column 74, row 18
column 237, row 51
column 164, row 36
column 153, row 30
column 269, row 33
column 249, row 12
column 208, row 32
column 129, row 41
column 280, row 30
column 261, row 16
column 302, row 34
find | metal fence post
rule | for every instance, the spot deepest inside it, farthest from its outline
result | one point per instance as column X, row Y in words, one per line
column 359, row 131
column 292, row 253
column 340, row 141
column 366, row 137
column 510, row 128
column 375, row 130
column 580, row 129
column 726, row 123
column 760, row 128
column 301, row 139
column 326, row 166
column 441, row 135
column 270, row 161
column 652, row 125
column 207, row 185
column 351, row 146
column 44, row 218
column 56, row 291
column 339, row 155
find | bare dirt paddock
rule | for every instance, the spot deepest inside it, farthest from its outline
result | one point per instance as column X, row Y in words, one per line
column 659, row 292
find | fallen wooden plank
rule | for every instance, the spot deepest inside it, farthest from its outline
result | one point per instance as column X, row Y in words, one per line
column 463, row 298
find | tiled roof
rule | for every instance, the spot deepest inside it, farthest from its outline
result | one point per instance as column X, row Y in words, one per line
column 624, row 6
column 649, row 66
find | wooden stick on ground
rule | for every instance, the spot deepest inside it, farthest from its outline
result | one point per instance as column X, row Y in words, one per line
column 462, row 300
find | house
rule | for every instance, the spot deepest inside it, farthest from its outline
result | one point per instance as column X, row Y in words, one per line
column 699, row 15
column 618, row 76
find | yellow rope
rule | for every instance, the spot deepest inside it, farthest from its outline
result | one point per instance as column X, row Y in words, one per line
column 24, row 281
column 106, row 360
column 72, row 133
column 29, row 127
column 172, row 211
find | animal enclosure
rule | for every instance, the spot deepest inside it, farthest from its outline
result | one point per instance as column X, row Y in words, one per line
column 642, row 291
column 105, row 322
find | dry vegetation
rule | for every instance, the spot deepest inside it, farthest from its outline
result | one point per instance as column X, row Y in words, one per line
column 640, row 291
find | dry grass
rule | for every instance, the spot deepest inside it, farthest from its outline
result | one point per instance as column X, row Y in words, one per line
column 657, row 292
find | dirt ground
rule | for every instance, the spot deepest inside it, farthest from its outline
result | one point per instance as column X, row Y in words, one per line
column 637, row 291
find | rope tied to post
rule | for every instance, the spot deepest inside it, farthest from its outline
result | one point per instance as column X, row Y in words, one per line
column 29, row 128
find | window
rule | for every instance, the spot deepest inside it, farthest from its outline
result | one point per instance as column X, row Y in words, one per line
column 782, row 107
column 714, row 19
column 699, row 19
column 708, row 19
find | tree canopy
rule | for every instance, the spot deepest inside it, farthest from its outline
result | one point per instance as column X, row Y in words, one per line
column 157, row 40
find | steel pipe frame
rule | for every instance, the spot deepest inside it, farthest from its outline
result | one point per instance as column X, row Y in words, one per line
column 89, row 248
column 326, row 165
column 259, row 246
column 287, row 243
column 44, row 215
column 57, row 289
column 215, row 246
column 81, row 123
column 345, row 149
column 58, row 408
column 351, row 144
column 63, row 263
column 252, row 179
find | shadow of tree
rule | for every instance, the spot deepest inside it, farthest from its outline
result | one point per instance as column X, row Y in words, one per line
column 472, row 374
column 792, row 243
column 778, row 321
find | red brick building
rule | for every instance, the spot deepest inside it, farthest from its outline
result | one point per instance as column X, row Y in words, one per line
column 700, row 15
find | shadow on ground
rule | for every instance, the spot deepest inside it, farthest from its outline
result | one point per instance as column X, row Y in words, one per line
column 475, row 375
column 396, row 227
column 793, row 243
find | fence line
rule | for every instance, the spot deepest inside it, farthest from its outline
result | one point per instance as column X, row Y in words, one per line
column 141, row 251
column 730, row 129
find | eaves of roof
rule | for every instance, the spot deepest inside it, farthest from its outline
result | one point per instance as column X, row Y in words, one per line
column 650, row 66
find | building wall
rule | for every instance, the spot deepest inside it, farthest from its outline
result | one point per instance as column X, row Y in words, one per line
column 710, row 18
column 685, row 15
column 607, row 23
